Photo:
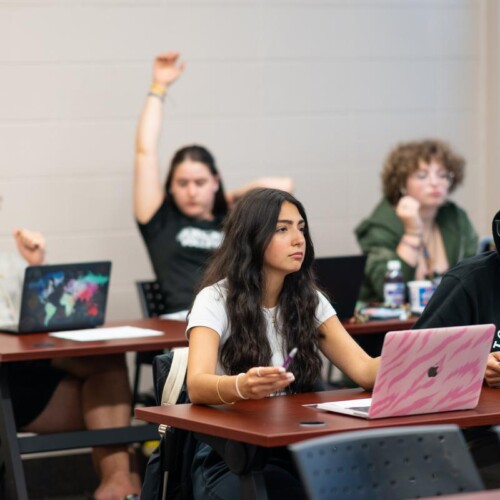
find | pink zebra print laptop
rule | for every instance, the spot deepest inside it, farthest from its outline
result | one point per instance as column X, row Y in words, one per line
column 425, row 371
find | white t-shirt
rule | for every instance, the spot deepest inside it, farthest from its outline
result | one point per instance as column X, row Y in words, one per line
column 209, row 310
column 11, row 285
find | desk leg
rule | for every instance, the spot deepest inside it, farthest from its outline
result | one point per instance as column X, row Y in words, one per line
column 245, row 460
column 12, row 481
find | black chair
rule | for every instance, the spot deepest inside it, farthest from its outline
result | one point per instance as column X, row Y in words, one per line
column 152, row 303
column 485, row 244
column 395, row 462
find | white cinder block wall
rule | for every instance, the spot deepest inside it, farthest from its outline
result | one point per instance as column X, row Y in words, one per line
column 319, row 90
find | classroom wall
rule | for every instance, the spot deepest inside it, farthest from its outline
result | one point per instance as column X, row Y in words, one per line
column 319, row 90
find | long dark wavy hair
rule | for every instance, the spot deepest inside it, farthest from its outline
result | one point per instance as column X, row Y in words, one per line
column 201, row 155
column 248, row 231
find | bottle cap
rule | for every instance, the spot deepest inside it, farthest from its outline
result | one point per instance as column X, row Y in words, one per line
column 394, row 265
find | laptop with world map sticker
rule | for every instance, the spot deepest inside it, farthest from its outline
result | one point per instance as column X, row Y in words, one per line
column 63, row 297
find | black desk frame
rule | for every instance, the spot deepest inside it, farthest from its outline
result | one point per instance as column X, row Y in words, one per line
column 12, row 479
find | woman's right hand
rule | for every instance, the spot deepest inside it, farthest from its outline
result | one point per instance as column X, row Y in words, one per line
column 259, row 382
column 407, row 210
column 166, row 68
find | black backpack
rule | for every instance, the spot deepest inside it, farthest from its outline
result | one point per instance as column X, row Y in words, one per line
column 168, row 472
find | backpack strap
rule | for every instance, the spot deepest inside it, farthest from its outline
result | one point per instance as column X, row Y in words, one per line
column 176, row 376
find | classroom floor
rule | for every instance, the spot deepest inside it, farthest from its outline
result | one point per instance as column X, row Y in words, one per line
column 68, row 477
column 63, row 476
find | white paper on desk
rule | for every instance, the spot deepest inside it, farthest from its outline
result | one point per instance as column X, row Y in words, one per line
column 112, row 333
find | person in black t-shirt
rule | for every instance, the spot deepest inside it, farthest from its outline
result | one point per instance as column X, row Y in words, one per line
column 181, row 221
column 470, row 294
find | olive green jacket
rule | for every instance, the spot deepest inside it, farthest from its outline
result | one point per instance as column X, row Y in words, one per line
column 379, row 236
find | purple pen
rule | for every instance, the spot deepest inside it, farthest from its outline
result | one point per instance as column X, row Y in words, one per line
column 290, row 357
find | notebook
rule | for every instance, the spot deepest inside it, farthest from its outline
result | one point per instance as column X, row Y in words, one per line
column 425, row 371
column 63, row 297
column 341, row 278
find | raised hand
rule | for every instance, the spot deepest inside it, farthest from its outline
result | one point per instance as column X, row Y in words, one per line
column 167, row 68
column 31, row 245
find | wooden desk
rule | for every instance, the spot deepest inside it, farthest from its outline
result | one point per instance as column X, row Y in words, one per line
column 277, row 421
column 379, row 326
column 27, row 347
column 280, row 421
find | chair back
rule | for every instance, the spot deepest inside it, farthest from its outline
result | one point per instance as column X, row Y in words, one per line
column 151, row 298
column 485, row 244
column 395, row 462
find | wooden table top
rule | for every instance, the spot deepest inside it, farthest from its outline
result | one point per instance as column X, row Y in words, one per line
column 280, row 421
column 31, row 346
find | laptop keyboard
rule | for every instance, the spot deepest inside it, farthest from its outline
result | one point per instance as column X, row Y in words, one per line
column 364, row 409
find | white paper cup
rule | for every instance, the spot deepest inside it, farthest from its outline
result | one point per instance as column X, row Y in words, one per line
column 420, row 293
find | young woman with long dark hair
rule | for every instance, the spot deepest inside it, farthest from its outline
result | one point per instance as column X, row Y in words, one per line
column 258, row 301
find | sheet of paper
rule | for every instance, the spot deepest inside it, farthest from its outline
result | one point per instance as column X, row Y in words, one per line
column 112, row 333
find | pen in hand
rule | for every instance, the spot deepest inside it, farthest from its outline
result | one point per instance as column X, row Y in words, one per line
column 289, row 358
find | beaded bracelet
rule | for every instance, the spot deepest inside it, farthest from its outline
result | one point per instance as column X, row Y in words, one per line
column 237, row 387
column 218, row 392
column 158, row 96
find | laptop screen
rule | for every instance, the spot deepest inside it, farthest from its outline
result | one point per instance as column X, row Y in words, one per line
column 64, row 297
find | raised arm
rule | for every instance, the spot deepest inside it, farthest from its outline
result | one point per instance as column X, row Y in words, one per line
column 341, row 349
column 148, row 188
column 31, row 245
column 283, row 183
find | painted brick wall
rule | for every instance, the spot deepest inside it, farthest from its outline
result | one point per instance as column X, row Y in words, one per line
column 319, row 90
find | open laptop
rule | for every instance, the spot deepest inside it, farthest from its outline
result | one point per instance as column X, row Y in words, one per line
column 62, row 297
column 341, row 278
column 425, row 371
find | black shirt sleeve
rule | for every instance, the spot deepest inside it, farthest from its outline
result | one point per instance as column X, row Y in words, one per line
column 450, row 305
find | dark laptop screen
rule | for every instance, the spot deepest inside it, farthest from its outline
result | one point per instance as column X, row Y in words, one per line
column 341, row 278
column 64, row 297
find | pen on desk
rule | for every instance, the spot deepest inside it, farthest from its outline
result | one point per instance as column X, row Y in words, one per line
column 289, row 358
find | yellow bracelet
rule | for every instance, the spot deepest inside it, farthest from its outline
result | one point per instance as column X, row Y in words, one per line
column 218, row 392
column 158, row 89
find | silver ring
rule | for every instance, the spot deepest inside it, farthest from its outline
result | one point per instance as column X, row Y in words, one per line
column 258, row 372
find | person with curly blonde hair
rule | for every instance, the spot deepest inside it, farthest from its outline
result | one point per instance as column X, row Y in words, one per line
column 415, row 222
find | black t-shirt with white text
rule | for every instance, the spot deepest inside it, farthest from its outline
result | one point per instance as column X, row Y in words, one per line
column 468, row 294
column 179, row 248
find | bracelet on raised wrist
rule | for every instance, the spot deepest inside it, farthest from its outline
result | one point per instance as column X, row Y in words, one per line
column 157, row 90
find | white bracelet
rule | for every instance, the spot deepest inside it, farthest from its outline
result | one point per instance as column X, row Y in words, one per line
column 237, row 388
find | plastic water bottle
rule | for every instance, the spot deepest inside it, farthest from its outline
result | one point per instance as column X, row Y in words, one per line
column 394, row 285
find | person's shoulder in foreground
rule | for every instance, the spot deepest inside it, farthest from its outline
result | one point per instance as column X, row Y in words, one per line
column 469, row 294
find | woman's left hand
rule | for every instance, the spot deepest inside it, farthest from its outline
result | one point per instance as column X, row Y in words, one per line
column 261, row 381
